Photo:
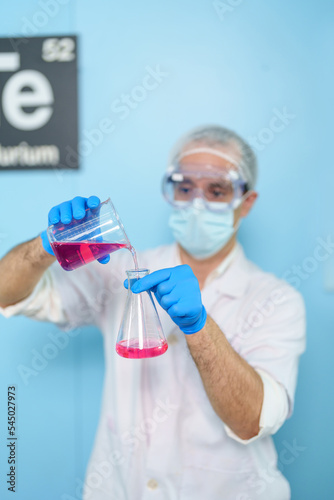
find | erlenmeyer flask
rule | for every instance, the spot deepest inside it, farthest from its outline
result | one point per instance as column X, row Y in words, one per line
column 140, row 334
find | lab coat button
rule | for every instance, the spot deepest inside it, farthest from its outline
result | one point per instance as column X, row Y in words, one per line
column 172, row 339
column 152, row 484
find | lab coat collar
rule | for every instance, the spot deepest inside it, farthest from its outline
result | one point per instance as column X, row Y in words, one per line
column 232, row 281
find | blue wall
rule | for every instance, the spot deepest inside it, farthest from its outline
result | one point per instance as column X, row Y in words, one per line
column 237, row 69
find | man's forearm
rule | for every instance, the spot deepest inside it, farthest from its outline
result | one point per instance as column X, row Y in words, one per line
column 234, row 388
column 21, row 269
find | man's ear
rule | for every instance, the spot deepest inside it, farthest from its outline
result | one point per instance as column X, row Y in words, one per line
column 248, row 203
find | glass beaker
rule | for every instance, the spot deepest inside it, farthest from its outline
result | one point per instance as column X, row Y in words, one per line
column 140, row 334
column 99, row 233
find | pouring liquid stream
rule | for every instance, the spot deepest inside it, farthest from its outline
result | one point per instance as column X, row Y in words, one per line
column 136, row 348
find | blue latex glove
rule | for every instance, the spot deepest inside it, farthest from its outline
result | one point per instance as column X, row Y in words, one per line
column 65, row 212
column 177, row 291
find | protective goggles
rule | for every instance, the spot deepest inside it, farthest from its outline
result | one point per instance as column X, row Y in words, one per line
column 219, row 190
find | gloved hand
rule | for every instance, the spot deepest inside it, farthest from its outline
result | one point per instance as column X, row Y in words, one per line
column 177, row 291
column 65, row 212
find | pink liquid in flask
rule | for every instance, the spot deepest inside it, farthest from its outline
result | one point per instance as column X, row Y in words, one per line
column 72, row 255
column 151, row 348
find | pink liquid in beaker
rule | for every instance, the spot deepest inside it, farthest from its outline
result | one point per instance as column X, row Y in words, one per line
column 72, row 255
column 151, row 348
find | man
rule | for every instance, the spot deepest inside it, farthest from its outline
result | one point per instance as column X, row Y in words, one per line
column 195, row 423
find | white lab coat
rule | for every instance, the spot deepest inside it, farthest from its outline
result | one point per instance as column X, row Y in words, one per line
column 158, row 436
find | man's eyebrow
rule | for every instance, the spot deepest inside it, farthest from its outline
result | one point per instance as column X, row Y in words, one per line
column 184, row 180
column 222, row 184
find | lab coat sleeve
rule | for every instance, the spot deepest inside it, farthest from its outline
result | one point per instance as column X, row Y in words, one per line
column 68, row 299
column 272, row 346
column 274, row 410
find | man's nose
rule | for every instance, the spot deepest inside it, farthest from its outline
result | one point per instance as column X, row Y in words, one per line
column 198, row 201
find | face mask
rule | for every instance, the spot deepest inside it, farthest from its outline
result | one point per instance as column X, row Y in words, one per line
column 202, row 233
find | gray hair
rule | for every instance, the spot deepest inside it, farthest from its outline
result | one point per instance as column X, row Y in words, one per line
column 214, row 135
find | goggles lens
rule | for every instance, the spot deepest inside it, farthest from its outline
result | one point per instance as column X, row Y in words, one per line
column 220, row 192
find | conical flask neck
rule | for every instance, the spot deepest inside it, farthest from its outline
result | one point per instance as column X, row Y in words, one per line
column 136, row 274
